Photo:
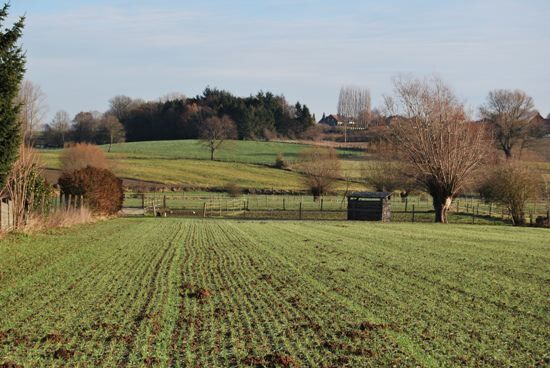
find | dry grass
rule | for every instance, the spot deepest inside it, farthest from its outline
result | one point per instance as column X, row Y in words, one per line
column 59, row 219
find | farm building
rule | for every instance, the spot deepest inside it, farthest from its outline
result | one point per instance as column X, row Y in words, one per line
column 369, row 206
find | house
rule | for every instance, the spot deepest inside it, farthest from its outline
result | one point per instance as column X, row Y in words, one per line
column 544, row 123
column 334, row 120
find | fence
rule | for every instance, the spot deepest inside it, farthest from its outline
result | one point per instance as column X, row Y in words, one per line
column 6, row 215
column 302, row 207
column 9, row 219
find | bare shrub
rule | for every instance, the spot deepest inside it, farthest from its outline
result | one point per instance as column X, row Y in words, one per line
column 386, row 176
column 512, row 185
column 58, row 219
column 102, row 190
column 280, row 162
column 81, row 155
column 233, row 189
column 25, row 186
column 321, row 169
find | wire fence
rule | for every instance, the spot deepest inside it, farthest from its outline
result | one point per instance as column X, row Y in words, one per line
column 302, row 207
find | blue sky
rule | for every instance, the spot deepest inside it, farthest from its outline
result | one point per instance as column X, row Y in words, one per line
column 83, row 52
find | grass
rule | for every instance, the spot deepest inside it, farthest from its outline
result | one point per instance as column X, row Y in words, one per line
column 173, row 292
column 186, row 163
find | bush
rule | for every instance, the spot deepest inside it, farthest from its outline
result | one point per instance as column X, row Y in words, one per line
column 81, row 155
column 101, row 189
column 280, row 162
column 233, row 190
column 512, row 186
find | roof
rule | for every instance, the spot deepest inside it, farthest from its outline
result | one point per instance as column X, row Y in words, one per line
column 380, row 195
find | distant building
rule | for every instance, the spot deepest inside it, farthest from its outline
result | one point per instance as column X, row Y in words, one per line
column 334, row 120
column 545, row 123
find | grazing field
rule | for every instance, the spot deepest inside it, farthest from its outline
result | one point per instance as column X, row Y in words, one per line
column 214, row 293
column 186, row 163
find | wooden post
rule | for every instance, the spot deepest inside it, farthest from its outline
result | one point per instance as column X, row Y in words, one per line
column 473, row 214
column 164, row 201
column 142, row 200
column 413, row 214
column 300, row 211
column 467, row 207
column 531, row 218
column 322, row 204
column 406, row 203
column 204, row 210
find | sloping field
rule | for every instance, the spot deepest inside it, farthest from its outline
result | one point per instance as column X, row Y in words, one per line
column 193, row 293
column 187, row 163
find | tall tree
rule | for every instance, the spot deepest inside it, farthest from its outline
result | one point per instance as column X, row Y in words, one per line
column 58, row 130
column 33, row 109
column 112, row 130
column 354, row 104
column 12, row 70
column 435, row 137
column 510, row 114
column 215, row 131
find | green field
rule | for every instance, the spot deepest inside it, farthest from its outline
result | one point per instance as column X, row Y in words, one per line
column 186, row 163
column 214, row 293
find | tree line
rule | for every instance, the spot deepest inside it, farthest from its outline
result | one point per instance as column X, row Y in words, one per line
column 261, row 116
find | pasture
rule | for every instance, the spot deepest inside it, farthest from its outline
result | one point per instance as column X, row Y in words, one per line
column 218, row 293
column 186, row 163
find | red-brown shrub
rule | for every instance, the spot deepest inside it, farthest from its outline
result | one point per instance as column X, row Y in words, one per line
column 81, row 155
column 101, row 189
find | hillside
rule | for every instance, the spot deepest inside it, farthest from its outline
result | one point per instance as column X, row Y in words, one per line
column 186, row 163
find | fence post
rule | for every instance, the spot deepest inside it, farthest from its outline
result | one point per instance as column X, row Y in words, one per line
column 467, row 207
column 164, row 201
column 473, row 214
column 406, row 203
column 321, row 204
column 490, row 209
column 413, row 214
column 531, row 218
column 300, row 211
column 204, row 209
column 284, row 205
column 142, row 200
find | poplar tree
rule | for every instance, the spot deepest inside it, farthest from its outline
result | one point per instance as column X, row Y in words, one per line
column 12, row 70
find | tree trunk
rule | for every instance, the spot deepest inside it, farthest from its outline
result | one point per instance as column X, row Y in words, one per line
column 441, row 207
column 110, row 145
column 212, row 154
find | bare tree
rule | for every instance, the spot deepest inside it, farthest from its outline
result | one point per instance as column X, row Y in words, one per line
column 512, row 185
column 435, row 138
column 33, row 108
column 321, row 169
column 120, row 106
column 354, row 104
column 510, row 114
column 112, row 129
column 215, row 131
column 59, row 127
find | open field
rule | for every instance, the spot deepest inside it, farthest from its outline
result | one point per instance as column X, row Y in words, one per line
column 186, row 163
column 161, row 292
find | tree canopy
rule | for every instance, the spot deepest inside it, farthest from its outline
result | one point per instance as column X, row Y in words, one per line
column 12, row 70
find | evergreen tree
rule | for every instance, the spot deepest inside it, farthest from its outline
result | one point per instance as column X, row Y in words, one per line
column 12, row 70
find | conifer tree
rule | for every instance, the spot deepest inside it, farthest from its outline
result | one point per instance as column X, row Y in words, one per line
column 12, row 70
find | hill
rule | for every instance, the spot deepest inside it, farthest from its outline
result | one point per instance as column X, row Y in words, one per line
column 186, row 163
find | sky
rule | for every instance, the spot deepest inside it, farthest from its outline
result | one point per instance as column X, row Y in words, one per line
column 83, row 52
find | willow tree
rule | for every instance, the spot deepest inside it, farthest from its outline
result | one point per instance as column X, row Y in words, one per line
column 12, row 70
column 435, row 137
